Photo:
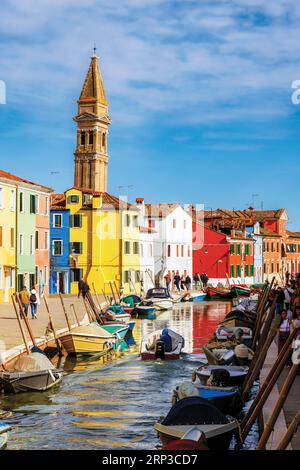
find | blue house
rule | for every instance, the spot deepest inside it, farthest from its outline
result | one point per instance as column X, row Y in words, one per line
column 59, row 246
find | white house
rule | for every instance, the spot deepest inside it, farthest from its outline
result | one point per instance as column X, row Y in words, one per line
column 147, row 272
column 172, row 237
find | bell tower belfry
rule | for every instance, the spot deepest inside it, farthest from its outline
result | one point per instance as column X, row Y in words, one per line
column 91, row 155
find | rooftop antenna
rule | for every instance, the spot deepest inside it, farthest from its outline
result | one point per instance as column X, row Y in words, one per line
column 254, row 196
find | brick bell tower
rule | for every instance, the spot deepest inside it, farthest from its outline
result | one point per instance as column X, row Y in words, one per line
column 91, row 157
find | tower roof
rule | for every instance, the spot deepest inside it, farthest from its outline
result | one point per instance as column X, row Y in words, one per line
column 93, row 87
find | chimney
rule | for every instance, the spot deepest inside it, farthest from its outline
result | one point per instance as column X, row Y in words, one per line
column 140, row 203
column 140, row 200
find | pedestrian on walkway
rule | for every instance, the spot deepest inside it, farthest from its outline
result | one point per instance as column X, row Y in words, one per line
column 177, row 281
column 196, row 279
column 188, row 282
column 168, row 282
column 24, row 299
column 204, row 280
column 182, row 282
column 284, row 330
column 80, row 287
column 34, row 302
column 280, row 300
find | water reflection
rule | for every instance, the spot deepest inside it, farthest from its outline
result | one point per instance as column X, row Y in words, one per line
column 113, row 404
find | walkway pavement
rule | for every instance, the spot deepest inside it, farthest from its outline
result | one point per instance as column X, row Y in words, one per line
column 10, row 335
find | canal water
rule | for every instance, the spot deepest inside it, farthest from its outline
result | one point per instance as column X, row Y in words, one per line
column 101, row 405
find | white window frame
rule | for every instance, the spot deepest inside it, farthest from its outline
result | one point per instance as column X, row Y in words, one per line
column 46, row 205
column 61, row 244
column 61, row 220
column 12, row 200
column 46, row 240
column 45, row 275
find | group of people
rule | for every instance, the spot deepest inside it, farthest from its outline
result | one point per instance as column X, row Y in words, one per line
column 184, row 282
column 31, row 299
column 288, row 307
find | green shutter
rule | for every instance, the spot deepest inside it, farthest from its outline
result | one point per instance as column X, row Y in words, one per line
column 247, row 269
column 247, row 249
column 231, row 271
column 238, row 269
column 238, row 249
column 232, row 251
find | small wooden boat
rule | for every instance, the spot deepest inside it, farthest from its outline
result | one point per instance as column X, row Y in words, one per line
column 117, row 329
column 160, row 298
column 225, row 333
column 235, row 375
column 153, row 347
column 87, row 339
column 130, row 300
column 216, row 293
column 194, row 297
column 120, row 315
column 227, row 399
column 240, row 291
column 194, row 411
column 31, row 373
column 144, row 309
column 4, row 428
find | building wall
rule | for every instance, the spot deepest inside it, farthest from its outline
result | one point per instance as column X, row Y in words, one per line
column 241, row 262
column 42, row 253
column 59, row 265
column 26, row 227
column 210, row 254
column 273, row 265
column 179, row 241
column 147, row 260
column 7, row 246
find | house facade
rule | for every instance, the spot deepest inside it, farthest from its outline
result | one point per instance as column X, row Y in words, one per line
column 59, row 246
column 172, row 238
column 7, row 237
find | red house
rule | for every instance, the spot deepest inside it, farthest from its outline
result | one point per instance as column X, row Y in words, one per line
column 211, row 253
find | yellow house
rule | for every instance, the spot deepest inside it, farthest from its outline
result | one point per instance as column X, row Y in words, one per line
column 7, row 237
column 104, row 242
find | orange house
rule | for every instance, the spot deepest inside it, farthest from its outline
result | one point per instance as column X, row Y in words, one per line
column 241, row 258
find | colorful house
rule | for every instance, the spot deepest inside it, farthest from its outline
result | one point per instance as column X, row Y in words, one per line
column 7, row 237
column 211, row 253
column 172, row 238
column 59, row 245
column 29, row 205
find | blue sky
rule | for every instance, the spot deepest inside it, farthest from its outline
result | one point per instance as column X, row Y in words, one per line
column 199, row 91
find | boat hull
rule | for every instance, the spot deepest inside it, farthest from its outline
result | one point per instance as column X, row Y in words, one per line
column 85, row 345
column 198, row 298
column 237, row 374
column 40, row 381
column 151, row 356
column 144, row 311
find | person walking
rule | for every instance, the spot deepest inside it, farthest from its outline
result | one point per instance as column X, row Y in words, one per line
column 80, row 287
column 182, row 282
column 188, row 282
column 34, row 300
column 288, row 294
column 204, row 280
column 196, row 280
column 280, row 300
column 168, row 282
column 177, row 281
column 284, row 330
column 24, row 299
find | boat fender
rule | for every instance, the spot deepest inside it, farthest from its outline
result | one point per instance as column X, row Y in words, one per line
column 51, row 375
column 160, row 349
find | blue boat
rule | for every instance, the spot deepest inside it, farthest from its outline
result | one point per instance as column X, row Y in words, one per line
column 144, row 310
column 226, row 399
column 198, row 298
column 4, row 428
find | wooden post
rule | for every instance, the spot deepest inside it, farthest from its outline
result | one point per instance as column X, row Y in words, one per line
column 52, row 324
column 97, row 298
column 115, row 284
column 112, row 291
column 65, row 311
column 20, row 325
column 267, row 386
column 26, row 321
column 72, row 307
column 106, row 298
column 260, row 314
column 291, row 430
column 278, row 406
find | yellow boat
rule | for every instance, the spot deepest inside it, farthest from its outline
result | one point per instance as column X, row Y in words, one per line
column 87, row 339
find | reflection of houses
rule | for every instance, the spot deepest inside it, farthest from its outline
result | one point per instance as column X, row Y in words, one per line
column 59, row 245
column 172, row 237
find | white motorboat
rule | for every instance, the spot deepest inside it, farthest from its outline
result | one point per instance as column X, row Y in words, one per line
column 153, row 346
column 160, row 298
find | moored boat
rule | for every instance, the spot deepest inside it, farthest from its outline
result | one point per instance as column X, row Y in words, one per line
column 225, row 333
column 160, row 298
column 4, row 429
column 31, row 373
column 144, row 309
column 216, row 293
column 227, row 399
column 163, row 344
column 87, row 339
column 194, row 411
column 234, row 375
column 240, row 291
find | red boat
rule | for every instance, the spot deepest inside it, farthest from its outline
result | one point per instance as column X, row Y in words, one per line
column 216, row 293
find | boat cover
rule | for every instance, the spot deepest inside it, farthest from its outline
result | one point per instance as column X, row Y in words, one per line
column 194, row 410
column 32, row 362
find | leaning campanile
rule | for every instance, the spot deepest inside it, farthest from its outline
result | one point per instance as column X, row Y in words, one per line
column 91, row 155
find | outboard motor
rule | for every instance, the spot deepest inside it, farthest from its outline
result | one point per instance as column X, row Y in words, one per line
column 160, row 349
column 219, row 378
